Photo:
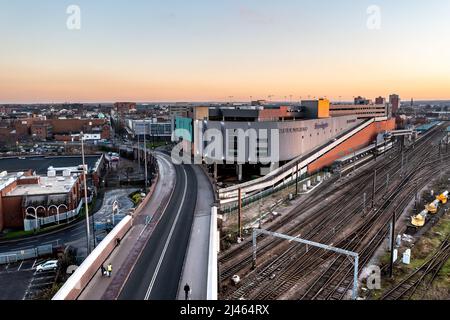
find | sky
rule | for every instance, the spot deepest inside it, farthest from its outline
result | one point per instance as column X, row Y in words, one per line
column 222, row 50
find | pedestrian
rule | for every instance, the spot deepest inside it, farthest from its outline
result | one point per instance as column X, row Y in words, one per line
column 187, row 291
column 103, row 270
column 109, row 270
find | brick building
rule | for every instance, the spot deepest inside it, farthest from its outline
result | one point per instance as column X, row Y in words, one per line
column 64, row 128
column 124, row 107
column 27, row 196
column 41, row 130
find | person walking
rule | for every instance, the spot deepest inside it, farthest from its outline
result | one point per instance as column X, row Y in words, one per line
column 187, row 291
column 103, row 270
column 109, row 270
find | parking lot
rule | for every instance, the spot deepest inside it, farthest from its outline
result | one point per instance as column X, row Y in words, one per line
column 20, row 281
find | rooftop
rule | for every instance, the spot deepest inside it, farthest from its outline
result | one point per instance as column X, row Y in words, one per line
column 46, row 186
column 41, row 164
column 6, row 178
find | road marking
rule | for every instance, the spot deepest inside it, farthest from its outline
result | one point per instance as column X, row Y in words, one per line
column 167, row 204
column 27, row 292
column 35, row 260
column 161, row 258
column 20, row 266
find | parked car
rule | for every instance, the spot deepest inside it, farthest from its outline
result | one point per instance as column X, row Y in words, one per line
column 47, row 266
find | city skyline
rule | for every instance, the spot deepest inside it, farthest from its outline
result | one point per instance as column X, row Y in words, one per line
column 201, row 51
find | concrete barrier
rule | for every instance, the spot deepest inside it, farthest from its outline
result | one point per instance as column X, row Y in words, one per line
column 212, row 290
column 91, row 265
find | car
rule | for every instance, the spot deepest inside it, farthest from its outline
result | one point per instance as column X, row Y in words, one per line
column 47, row 266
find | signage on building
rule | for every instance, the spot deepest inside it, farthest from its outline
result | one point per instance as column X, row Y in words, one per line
column 323, row 125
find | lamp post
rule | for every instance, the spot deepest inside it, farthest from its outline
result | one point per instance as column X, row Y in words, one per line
column 88, row 234
column 138, row 153
column 145, row 156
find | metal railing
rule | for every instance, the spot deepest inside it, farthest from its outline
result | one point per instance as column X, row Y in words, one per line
column 289, row 182
column 15, row 256
column 35, row 224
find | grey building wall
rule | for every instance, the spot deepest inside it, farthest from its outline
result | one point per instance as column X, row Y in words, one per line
column 295, row 137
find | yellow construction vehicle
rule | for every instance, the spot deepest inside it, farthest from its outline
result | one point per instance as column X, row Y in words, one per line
column 443, row 197
column 419, row 220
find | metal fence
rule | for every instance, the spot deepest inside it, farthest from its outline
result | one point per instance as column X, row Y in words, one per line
column 14, row 256
column 33, row 224
column 109, row 225
column 288, row 182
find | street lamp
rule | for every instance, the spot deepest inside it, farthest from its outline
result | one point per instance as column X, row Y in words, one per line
column 145, row 156
column 85, row 196
column 115, row 209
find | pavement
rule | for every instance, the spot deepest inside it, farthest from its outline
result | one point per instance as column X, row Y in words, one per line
column 195, row 268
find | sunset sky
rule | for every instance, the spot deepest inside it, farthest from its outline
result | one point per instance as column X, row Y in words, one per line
column 208, row 50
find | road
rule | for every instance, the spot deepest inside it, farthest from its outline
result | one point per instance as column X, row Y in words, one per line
column 157, row 272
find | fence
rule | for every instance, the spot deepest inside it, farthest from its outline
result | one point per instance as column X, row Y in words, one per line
column 288, row 182
column 26, row 254
column 34, row 224
column 107, row 226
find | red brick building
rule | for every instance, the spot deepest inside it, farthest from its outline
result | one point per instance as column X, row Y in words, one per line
column 23, row 195
column 124, row 107
column 41, row 130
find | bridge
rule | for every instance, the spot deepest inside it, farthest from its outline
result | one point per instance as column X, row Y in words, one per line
column 171, row 239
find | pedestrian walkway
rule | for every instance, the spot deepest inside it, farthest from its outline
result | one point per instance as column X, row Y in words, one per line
column 195, row 270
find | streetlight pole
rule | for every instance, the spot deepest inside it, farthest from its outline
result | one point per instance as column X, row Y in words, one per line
column 145, row 155
column 139, row 153
column 85, row 196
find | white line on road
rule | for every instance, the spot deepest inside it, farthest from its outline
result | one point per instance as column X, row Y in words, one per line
column 161, row 258
column 20, row 266
column 38, row 285
column 168, row 202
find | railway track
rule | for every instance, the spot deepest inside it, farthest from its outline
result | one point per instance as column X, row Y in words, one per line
column 290, row 266
column 330, row 281
column 423, row 277
column 343, row 281
column 362, row 180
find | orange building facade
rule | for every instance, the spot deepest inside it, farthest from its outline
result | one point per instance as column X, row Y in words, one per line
column 358, row 141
